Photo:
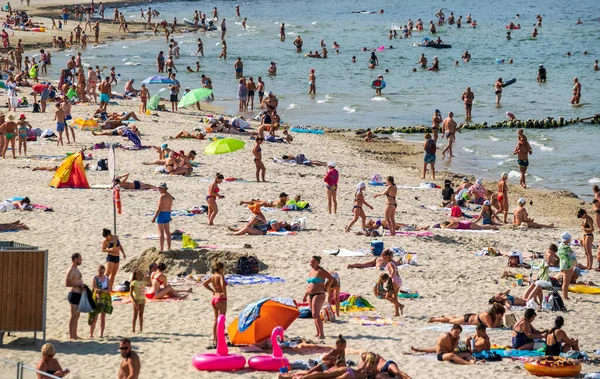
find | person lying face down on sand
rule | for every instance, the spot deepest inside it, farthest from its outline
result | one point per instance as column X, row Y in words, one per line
column 279, row 203
column 522, row 217
column 122, row 181
column 445, row 348
column 376, row 224
column 375, row 365
column 465, row 225
column 492, row 318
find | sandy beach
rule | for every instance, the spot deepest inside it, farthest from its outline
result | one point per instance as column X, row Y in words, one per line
column 449, row 277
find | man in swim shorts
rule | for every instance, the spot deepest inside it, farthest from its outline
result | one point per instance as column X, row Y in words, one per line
column 449, row 129
column 445, row 348
column 174, row 92
column 523, row 150
column 59, row 117
column 74, row 282
column 467, row 98
column 239, row 68
column 162, row 216
column 105, row 90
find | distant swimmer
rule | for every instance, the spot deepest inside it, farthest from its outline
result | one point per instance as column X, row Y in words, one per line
column 422, row 61
column 596, row 68
column 568, row 54
column 467, row 98
column 469, row 20
column 439, row 41
column 508, row 37
column 237, row 11
column 298, row 43
column 435, row 66
column 459, row 22
column 535, row 33
column 354, row 59
column 432, row 29
column 312, row 83
column 541, row 78
column 498, row 90
column 466, row 56
column 451, row 19
column 282, row 32
column 336, row 45
column 576, row 91
column 373, row 61
column 518, row 16
column 378, row 84
column 381, row 11
column 578, row 22
column 539, row 20
column 449, row 132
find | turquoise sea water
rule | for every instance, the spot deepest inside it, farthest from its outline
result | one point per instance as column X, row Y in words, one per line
column 344, row 98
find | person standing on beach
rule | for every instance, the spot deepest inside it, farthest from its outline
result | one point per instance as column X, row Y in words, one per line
column 174, row 93
column 162, row 216
column 319, row 280
column 436, row 120
column 130, row 365
column 331, row 182
column 467, row 98
column 523, row 150
column 298, row 43
column 390, row 203
column 9, row 131
column 75, row 283
column 312, row 83
column 59, row 117
column 449, row 130
column 260, row 166
column 144, row 95
column 238, row 66
column 503, row 196
column 260, row 88
column 430, row 148
column 105, row 91
column 251, row 86
column 211, row 198
column 498, row 90
column 576, row 91
column 242, row 95
column 218, row 286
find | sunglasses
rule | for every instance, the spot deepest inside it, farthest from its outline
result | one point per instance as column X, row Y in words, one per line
column 124, row 348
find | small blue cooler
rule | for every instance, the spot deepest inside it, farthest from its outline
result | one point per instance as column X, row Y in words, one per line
column 377, row 247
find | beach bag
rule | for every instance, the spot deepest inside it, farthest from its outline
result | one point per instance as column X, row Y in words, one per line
column 376, row 247
column 430, row 148
column 556, row 302
column 36, row 108
column 103, row 164
column 492, row 252
column 85, row 305
column 455, row 212
column 327, row 314
column 305, row 312
column 187, row 242
column 410, row 259
column 509, row 320
column 247, row 266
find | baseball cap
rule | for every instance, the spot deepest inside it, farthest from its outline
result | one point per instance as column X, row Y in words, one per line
column 163, row 185
column 283, row 194
column 21, row 116
column 521, row 200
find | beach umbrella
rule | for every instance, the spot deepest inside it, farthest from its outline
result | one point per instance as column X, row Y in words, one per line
column 258, row 319
column 157, row 80
column 224, row 146
column 153, row 102
column 39, row 87
column 86, row 124
column 194, row 96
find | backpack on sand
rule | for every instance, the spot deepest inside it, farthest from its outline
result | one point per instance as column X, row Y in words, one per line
column 247, row 266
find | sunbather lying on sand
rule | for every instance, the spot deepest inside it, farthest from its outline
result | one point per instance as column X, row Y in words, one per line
column 507, row 300
column 17, row 225
column 465, row 225
column 492, row 318
column 445, row 348
column 375, row 365
column 117, row 116
column 54, row 168
column 279, row 203
column 118, row 131
column 184, row 134
column 257, row 225
column 123, row 182
column 375, row 224
column 329, row 360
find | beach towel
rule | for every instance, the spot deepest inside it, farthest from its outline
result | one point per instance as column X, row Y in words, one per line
column 423, row 233
column 356, row 304
column 184, row 212
column 472, row 231
column 286, row 233
column 518, row 353
column 236, row 280
column 134, row 138
column 374, row 321
column 445, row 328
column 347, row 253
column 127, row 300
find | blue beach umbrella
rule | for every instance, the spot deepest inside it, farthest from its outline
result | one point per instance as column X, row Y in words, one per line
column 157, row 80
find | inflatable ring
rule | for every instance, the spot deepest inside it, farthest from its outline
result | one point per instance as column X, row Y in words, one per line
column 378, row 84
column 556, row 367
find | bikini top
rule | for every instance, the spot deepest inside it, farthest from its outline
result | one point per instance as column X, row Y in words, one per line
column 315, row 280
column 111, row 244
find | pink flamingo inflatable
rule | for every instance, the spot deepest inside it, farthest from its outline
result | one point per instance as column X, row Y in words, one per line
column 222, row 361
column 271, row 362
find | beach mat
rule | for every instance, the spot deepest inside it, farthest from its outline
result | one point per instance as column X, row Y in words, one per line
column 374, row 321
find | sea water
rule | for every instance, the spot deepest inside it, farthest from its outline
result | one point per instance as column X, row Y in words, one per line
column 345, row 98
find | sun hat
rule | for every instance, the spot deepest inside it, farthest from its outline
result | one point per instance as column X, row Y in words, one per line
column 255, row 208
column 21, row 116
column 565, row 237
column 163, row 185
column 331, row 164
column 521, row 200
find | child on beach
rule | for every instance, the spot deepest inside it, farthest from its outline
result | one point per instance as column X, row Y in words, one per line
column 23, row 127
column 384, row 289
column 59, row 117
column 137, row 291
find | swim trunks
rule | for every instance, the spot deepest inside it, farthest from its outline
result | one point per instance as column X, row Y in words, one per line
column 115, row 132
column 447, row 134
column 523, row 162
column 60, row 127
column 261, row 94
column 173, row 98
column 74, row 298
column 497, row 92
column 68, row 117
column 104, row 98
column 251, row 93
column 429, row 158
column 163, row 218
column 440, row 357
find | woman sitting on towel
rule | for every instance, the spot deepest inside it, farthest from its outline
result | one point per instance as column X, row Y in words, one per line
column 160, row 289
column 557, row 340
column 492, row 318
column 329, row 360
column 375, row 364
column 122, row 181
column 465, row 225
column 257, row 225
column 524, row 333
column 534, row 292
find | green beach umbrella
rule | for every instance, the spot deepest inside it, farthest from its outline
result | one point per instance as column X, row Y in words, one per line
column 153, row 102
column 224, row 146
column 194, row 96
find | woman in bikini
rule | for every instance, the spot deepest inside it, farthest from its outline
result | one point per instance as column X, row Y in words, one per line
column 487, row 216
column 357, row 210
column 160, row 289
column 596, row 205
column 260, row 166
column 49, row 364
column 211, row 198
column 390, row 204
column 257, row 226
column 144, row 94
column 503, row 196
column 375, row 363
column 534, row 292
column 319, row 281
column 376, row 224
column 492, row 318
column 113, row 249
column 218, row 286
column 122, row 181
column 587, row 226
column 436, row 120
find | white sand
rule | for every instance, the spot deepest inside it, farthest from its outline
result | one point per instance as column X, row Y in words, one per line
column 451, row 280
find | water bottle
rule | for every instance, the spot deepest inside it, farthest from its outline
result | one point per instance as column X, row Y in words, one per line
column 472, row 345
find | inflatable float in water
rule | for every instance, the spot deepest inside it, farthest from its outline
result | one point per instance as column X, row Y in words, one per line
column 509, row 82
column 378, row 84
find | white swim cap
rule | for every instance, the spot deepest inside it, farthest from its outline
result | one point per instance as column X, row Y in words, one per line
column 479, row 181
column 565, row 237
column 331, row 164
column 487, row 202
column 521, row 200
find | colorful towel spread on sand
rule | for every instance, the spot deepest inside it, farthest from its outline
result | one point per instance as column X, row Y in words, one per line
column 286, row 233
column 252, row 311
column 374, row 321
column 347, row 253
column 519, row 353
column 356, row 304
column 238, row 280
column 124, row 298
column 423, row 233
